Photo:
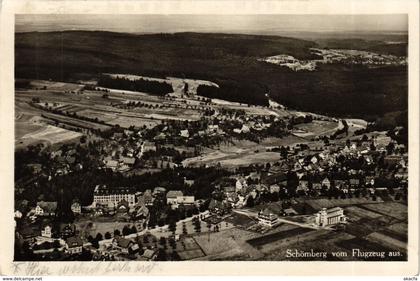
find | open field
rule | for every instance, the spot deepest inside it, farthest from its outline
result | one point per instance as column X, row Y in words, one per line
column 355, row 213
column 101, row 225
column 315, row 128
column 51, row 134
column 392, row 209
column 55, row 86
column 318, row 204
column 242, row 153
column 270, row 238
column 389, row 239
column 226, row 240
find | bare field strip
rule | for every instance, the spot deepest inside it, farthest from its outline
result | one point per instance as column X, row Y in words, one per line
column 270, row 238
column 356, row 212
column 318, row 204
column 23, row 128
column 52, row 135
column 385, row 239
column 391, row 209
column 74, row 122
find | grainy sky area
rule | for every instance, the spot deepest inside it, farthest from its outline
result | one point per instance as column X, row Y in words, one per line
column 251, row 24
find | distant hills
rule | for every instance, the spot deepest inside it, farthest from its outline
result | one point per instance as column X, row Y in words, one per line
column 353, row 91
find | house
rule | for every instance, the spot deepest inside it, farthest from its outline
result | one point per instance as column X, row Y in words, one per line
column 275, row 169
column 123, row 206
column 148, row 197
column 279, row 178
column 184, row 134
column 289, row 212
column 274, row 188
column 267, row 218
column 326, row 183
column 218, row 207
column 46, row 208
column 240, row 184
column 229, row 189
column 67, row 230
column 392, row 160
column 29, row 234
column 141, row 213
column 126, row 246
column 76, row 208
column 370, row 180
column 129, row 161
column 110, row 163
column 74, row 245
column 327, row 217
column 149, row 254
column 316, row 184
column 354, row 182
column 185, row 200
column 148, row 146
column 340, row 183
column 159, row 190
column 18, row 214
column 46, row 231
column 303, row 184
column 171, row 196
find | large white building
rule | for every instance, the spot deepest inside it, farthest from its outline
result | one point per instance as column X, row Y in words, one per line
column 327, row 217
column 104, row 195
column 267, row 218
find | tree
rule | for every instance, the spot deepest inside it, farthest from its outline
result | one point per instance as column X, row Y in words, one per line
column 126, row 230
column 56, row 244
column 83, row 139
column 99, row 237
column 117, row 232
column 161, row 256
column 172, row 226
column 162, row 241
column 133, row 229
column 283, row 152
column 107, row 235
column 250, row 201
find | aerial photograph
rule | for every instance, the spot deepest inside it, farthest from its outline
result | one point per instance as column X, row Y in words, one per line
column 196, row 137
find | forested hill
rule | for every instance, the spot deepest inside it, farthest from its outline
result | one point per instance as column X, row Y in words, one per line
column 339, row 90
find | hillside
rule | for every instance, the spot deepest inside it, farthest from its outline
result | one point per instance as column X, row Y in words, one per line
column 339, row 90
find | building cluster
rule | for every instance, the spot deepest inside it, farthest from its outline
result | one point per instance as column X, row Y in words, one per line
column 335, row 56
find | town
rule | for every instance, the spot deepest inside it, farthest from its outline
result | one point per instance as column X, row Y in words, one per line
column 104, row 171
column 330, row 56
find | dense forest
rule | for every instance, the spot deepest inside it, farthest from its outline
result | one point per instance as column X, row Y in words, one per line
column 139, row 85
column 235, row 91
column 230, row 60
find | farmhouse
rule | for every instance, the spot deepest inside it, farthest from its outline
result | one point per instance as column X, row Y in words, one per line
column 103, row 195
column 332, row 216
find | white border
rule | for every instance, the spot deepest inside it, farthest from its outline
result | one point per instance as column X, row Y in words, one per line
column 9, row 8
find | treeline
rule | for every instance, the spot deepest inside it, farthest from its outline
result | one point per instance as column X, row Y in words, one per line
column 230, row 90
column 139, row 85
